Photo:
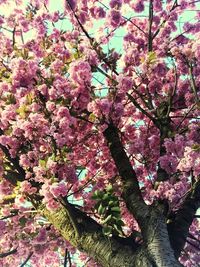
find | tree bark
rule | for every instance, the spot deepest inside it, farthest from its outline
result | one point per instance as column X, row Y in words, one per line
column 111, row 251
column 179, row 228
column 105, row 250
column 130, row 190
column 158, row 243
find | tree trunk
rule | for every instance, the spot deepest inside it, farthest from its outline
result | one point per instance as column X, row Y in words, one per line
column 115, row 251
column 158, row 243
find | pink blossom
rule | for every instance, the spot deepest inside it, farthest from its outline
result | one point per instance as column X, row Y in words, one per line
column 1, row 20
column 26, row 187
column 97, row 12
column 115, row 3
column 52, row 205
column 138, row 6
column 72, row 4
column 115, row 18
column 41, row 237
column 2, row 227
column 58, row 189
column 125, row 83
column 168, row 163
column 80, row 72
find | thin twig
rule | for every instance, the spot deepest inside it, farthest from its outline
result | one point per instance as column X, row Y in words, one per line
column 193, row 245
column 140, row 108
column 9, row 216
column 92, row 41
column 5, row 254
column 69, row 259
column 173, row 92
column 175, row 5
column 185, row 117
column 65, row 259
column 150, row 39
column 27, row 259
column 192, row 82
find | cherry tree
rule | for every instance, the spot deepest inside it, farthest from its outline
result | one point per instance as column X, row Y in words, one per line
column 99, row 133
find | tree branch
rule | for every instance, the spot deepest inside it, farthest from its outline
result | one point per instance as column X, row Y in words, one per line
column 72, row 217
column 108, row 251
column 179, row 228
column 175, row 5
column 131, row 98
column 192, row 82
column 5, row 254
column 131, row 191
column 9, row 216
column 193, row 245
column 14, row 161
column 66, row 258
column 150, row 39
column 27, row 259
column 92, row 41
column 69, row 259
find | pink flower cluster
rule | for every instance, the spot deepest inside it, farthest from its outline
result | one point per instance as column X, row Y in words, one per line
column 64, row 76
column 80, row 73
column 24, row 72
column 190, row 161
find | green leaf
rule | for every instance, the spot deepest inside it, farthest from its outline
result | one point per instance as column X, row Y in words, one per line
column 120, row 222
column 113, row 203
column 96, row 206
column 101, row 209
column 196, row 147
column 107, row 230
column 116, row 209
column 22, row 111
column 97, row 195
column 117, row 215
column 106, row 197
column 11, row 99
column 118, row 229
column 152, row 57
column 42, row 163
column 107, row 219
column 22, row 221
column 109, row 188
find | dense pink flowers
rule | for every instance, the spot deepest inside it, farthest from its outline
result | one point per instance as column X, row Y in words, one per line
column 115, row 18
column 138, row 6
column 68, row 71
column 59, row 189
column 191, row 160
column 115, row 3
column 125, row 83
column 41, row 237
column 2, row 227
column 97, row 12
column 23, row 72
column 80, row 72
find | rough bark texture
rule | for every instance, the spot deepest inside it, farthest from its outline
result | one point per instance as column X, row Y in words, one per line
column 179, row 228
column 158, row 243
column 111, row 251
column 107, row 251
column 131, row 191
